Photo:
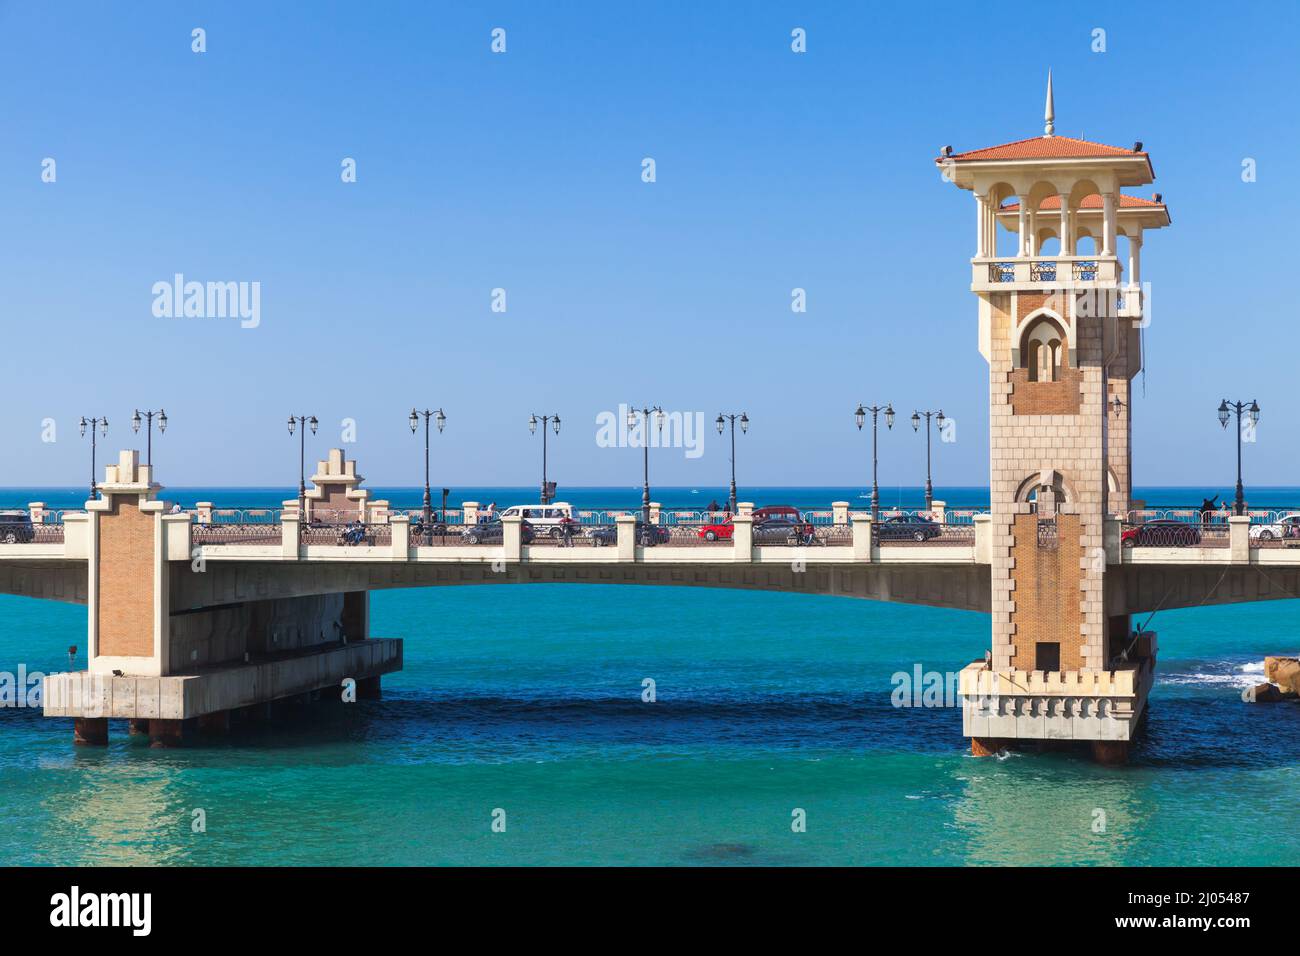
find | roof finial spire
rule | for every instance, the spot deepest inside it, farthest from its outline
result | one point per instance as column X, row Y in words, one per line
column 1049, row 114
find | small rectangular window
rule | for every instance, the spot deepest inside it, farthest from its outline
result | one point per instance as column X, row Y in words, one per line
column 1047, row 656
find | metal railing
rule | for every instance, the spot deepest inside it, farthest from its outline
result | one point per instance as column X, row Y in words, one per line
column 1042, row 271
column 268, row 534
column 1002, row 272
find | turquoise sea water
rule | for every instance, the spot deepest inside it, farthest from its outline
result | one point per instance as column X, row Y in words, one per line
column 528, row 699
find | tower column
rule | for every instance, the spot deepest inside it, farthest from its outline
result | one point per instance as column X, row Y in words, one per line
column 1135, row 258
column 981, row 227
column 1023, row 247
column 1067, row 243
column 1108, row 224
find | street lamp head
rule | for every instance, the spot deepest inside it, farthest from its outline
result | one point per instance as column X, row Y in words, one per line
column 313, row 423
column 1223, row 413
column 860, row 416
column 83, row 426
column 291, row 424
column 721, row 423
column 440, row 419
column 162, row 420
column 659, row 418
column 939, row 419
column 103, row 427
column 413, row 419
column 555, row 424
column 744, row 422
column 631, row 418
column 135, row 421
column 889, row 416
column 1254, row 413
column 532, row 424
column 916, row 421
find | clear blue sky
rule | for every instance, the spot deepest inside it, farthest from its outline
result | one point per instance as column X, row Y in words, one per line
column 523, row 171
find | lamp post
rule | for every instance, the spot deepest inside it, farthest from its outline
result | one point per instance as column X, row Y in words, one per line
column 645, row 446
column 554, row 422
column 861, row 416
column 721, row 422
column 306, row 421
column 148, row 417
column 916, row 424
column 1252, row 414
column 102, row 425
column 426, row 509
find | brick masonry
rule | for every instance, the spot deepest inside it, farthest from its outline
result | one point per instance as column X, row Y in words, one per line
column 125, row 582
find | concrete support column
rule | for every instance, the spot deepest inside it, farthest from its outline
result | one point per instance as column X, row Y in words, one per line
column 167, row 733
column 90, row 731
column 839, row 512
column 1239, row 538
column 745, row 508
column 512, row 537
column 469, row 512
column 290, row 539
column 655, row 510
column 742, row 538
column 862, row 550
column 401, row 525
column 981, row 227
column 939, row 511
column 203, row 509
column 37, row 512
column 1033, row 232
column 625, row 530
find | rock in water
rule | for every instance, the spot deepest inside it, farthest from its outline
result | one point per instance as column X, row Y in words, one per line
column 1284, row 672
column 1262, row 694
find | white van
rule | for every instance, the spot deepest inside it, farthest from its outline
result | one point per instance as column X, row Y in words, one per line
column 545, row 519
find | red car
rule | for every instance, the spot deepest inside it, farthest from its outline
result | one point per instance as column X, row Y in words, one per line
column 721, row 530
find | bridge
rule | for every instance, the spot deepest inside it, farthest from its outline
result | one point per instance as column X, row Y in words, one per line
column 197, row 615
column 193, row 617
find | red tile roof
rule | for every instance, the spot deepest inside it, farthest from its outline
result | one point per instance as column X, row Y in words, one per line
column 1090, row 202
column 1043, row 147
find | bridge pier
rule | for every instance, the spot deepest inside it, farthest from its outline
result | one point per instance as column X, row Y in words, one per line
column 174, row 649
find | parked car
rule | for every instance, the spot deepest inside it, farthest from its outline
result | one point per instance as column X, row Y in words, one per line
column 546, row 519
column 492, row 531
column 1161, row 533
column 643, row 534
column 717, row 530
column 1288, row 526
column 776, row 511
column 784, row 529
column 16, row 527
column 908, row 528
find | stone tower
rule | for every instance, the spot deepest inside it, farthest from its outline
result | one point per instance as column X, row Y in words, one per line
column 1060, row 325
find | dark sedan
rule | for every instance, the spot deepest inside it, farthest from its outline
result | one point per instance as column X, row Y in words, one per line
column 492, row 531
column 908, row 528
column 783, row 529
column 16, row 527
column 644, row 535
